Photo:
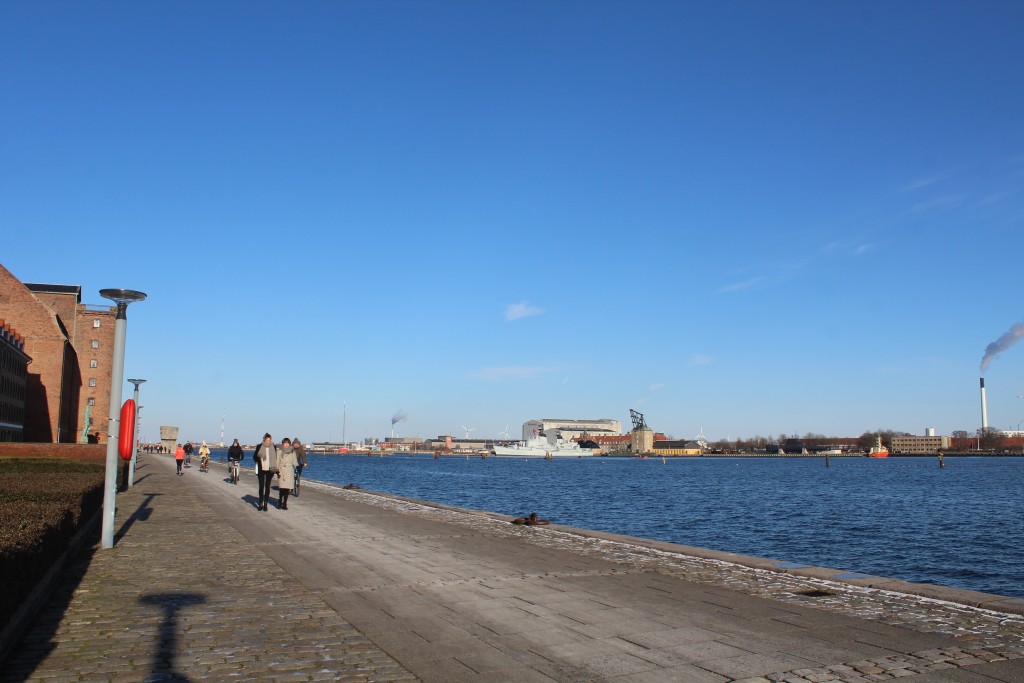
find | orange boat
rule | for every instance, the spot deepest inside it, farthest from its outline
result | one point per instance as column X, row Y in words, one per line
column 878, row 450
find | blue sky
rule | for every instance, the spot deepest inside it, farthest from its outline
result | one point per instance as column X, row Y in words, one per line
column 755, row 218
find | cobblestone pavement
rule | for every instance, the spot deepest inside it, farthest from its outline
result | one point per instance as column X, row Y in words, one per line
column 181, row 596
column 352, row 585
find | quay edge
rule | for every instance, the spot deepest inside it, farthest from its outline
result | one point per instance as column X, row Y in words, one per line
column 987, row 601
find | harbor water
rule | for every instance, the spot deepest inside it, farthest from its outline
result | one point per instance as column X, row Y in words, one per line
column 959, row 526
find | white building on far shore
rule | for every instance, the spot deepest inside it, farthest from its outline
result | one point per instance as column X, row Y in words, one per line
column 571, row 429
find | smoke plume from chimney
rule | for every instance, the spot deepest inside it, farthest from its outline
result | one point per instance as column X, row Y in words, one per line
column 398, row 417
column 1011, row 337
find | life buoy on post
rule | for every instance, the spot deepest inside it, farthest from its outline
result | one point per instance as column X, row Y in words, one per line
column 126, row 436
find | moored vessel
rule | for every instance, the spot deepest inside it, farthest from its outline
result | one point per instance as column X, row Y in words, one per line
column 878, row 450
column 544, row 446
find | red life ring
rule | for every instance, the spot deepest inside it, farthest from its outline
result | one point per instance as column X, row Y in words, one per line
column 126, row 436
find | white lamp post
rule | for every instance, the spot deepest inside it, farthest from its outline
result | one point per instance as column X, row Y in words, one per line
column 135, row 442
column 122, row 297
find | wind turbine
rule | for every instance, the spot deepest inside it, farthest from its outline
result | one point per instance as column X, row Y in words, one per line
column 468, row 430
column 505, row 433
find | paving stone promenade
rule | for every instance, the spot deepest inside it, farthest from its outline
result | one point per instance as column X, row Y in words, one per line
column 354, row 586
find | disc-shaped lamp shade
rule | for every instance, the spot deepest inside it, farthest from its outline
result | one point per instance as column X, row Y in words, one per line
column 122, row 296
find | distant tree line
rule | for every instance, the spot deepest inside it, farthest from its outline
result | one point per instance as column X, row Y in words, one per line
column 990, row 439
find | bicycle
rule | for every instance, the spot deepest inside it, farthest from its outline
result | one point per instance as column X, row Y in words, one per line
column 204, row 464
column 298, row 480
column 234, row 472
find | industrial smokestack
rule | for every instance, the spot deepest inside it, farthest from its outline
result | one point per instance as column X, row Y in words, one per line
column 984, row 406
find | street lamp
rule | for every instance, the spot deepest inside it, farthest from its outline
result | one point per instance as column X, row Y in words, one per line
column 121, row 297
column 135, row 442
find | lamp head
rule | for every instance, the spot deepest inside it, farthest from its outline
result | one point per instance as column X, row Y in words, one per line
column 122, row 297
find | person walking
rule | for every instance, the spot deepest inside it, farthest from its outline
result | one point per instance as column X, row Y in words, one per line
column 179, row 457
column 286, row 471
column 300, row 460
column 266, row 463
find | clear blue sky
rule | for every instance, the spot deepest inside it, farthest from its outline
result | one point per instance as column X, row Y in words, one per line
column 751, row 217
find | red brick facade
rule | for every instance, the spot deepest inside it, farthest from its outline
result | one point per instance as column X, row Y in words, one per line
column 64, row 342
column 91, row 332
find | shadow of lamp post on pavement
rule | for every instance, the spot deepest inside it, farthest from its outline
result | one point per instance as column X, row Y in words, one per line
column 165, row 649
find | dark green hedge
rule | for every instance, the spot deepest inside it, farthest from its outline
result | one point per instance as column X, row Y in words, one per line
column 43, row 502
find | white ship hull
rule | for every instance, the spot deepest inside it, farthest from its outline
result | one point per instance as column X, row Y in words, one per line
column 510, row 451
column 542, row 448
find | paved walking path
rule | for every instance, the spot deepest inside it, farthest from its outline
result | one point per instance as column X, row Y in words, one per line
column 353, row 586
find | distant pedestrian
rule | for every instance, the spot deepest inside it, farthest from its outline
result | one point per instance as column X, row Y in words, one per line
column 300, row 460
column 266, row 462
column 286, row 472
column 188, row 453
column 179, row 457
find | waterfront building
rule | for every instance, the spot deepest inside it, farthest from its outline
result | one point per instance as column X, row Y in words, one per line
column 642, row 440
column 608, row 444
column 919, row 444
column 13, row 377
column 446, row 442
column 571, row 429
column 72, row 349
column 678, row 447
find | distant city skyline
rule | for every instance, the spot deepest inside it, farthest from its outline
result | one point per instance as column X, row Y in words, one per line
column 755, row 218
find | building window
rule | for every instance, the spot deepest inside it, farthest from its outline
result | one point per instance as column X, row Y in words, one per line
column 95, row 343
column 94, row 363
column 92, row 401
column 92, row 381
column 95, row 323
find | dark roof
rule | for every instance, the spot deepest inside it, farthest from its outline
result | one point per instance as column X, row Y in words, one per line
column 55, row 289
column 677, row 444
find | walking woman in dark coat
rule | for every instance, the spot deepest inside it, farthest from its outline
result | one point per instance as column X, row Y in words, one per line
column 266, row 466
column 300, row 459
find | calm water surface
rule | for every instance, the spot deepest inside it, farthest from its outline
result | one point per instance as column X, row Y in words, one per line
column 898, row 517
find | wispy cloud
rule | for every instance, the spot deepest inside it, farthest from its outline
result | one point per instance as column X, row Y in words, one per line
column 938, row 203
column 995, row 197
column 507, row 373
column 846, row 248
column 701, row 359
column 753, row 283
column 655, row 387
column 521, row 310
column 922, row 183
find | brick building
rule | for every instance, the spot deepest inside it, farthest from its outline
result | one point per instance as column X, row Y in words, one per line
column 72, row 348
column 13, row 377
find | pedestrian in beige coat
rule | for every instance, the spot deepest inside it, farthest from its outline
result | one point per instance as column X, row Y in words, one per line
column 286, row 463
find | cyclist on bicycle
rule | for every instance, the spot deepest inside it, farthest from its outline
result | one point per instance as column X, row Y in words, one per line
column 300, row 458
column 204, row 458
column 235, row 455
